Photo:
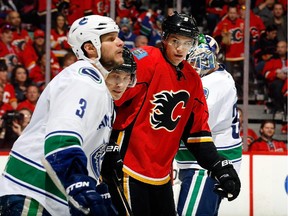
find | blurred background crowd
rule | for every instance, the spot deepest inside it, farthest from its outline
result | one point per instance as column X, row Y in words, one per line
column 23, row 60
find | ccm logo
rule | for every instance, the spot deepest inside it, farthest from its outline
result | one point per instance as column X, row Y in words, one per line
column 77, row 185
column 112, row 148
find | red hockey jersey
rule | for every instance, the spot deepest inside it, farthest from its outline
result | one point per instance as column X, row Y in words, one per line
column 152, row 116
column 235, row 51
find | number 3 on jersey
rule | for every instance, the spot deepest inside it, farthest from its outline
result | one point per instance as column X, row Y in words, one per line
column 80, row 112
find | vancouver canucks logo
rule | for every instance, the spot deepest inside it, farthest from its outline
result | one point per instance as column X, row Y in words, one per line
column 92, row 73
column 83, row 21
column 97, row 158
column 168, row 109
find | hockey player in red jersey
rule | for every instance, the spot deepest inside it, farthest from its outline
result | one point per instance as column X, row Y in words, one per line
column 166, row 105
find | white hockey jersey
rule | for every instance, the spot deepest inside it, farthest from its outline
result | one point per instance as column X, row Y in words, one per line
column 75, row 105
column 221, row 96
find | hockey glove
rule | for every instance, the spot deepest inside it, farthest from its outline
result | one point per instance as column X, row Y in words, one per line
column 112, row 164
column 102, row 189
column 85, row 199
column 229, row 182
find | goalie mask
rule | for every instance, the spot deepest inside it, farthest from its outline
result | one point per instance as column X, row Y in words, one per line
column 202, row 59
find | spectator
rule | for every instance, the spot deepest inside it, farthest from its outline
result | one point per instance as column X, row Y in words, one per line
column 155, row 36
column 126, row 34
column 256, row 29
column 275, row 72
column 41, row 12
column 257, row 26
column 20, row 35
column 215, row 10
column 144, row 23
column 98, row 7
column 13, row 124
column 19, row 124
column 59, row 35
column 32, row 96
column 38, row 73
column 266, row 142
column 280, row 20
column 34, row 53
column 20, row 80
column 141, row 40
column 264, row 10
column 77, row 8
column 265, row 48
column 4, row 107
column 9, row 91
column 68, row 59
column 127, row 8
column 251, row 134
column 8, row 51
column 230, row 32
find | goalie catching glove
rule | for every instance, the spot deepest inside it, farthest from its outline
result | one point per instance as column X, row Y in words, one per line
column 112, row 164
column 85, row 198
column 229, row 182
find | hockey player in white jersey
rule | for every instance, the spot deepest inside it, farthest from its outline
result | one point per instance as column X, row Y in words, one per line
column 198, row 193
column 54, row 166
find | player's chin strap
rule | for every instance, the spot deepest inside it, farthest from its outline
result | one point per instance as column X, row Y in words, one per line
column 98, row 65
column 103, row 71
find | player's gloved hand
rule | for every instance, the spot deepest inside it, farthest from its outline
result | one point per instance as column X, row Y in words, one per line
column 83, row 198
column 102, row 189
column 112, row 164
column 229, row 182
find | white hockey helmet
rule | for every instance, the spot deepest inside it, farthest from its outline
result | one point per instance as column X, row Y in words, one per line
column 90, row 28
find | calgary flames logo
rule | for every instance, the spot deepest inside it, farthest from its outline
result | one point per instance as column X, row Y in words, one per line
column 168, row 109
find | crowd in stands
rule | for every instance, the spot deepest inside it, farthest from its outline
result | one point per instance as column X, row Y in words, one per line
column 23, row 57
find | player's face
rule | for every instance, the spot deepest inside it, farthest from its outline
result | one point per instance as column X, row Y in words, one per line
column 111, row 50
column 177, row 47
column 117, row 82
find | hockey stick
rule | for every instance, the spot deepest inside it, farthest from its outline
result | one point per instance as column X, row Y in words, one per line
column 59, row 185
column 121, row 194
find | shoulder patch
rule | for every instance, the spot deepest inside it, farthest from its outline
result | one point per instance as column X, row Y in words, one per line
column 206, row 92
column 92, row 73
column 139, row 53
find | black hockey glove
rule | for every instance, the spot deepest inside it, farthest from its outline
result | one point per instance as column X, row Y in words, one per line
column 84, row 198
column 112, row 164
column 229, row 182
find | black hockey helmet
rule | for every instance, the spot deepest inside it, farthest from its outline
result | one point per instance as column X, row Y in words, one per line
column 128, row 66
column 181, row 24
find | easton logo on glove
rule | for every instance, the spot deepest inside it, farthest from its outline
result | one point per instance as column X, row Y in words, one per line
column 77, row 185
